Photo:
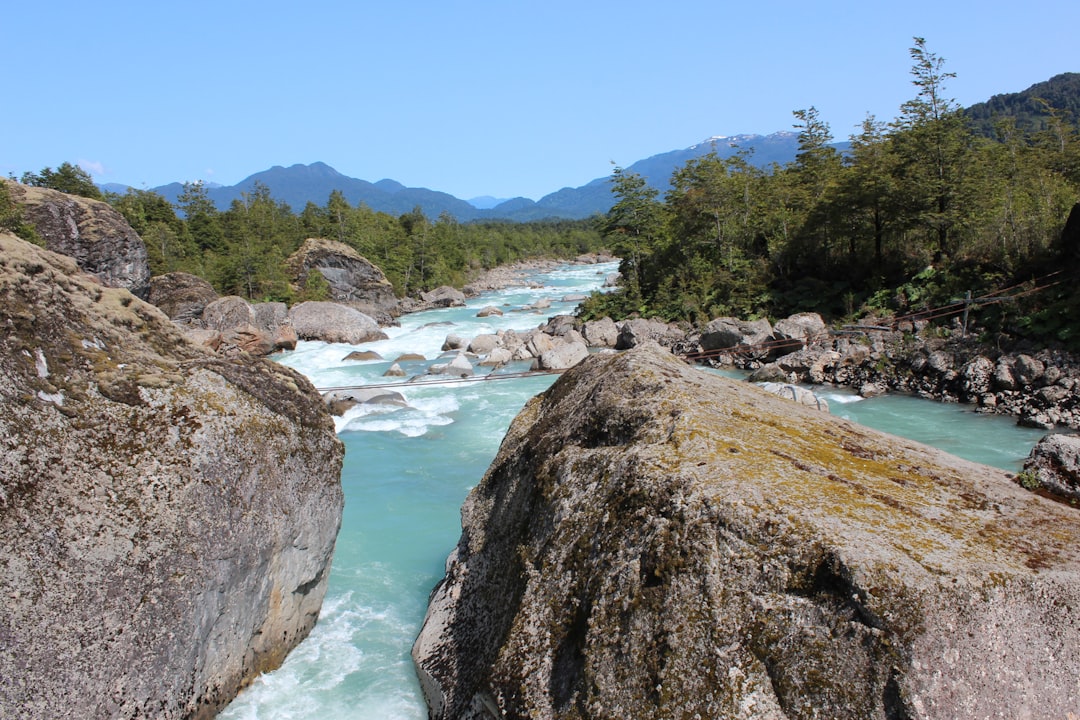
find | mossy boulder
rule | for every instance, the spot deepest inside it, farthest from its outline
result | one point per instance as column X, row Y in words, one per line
column 167, row 515
column 91, row 232
column 653, row 541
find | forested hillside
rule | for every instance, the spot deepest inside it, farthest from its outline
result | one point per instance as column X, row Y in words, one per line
column 242, row 250
column 921, row 210
column 1044, row 106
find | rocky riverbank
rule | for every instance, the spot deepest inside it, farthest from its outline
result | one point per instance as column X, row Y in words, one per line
column 1041, row 388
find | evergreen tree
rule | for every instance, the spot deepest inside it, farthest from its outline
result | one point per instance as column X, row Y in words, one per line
column 67, row 178
column 933, row 146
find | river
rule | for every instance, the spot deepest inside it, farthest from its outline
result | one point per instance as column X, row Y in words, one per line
column 407, row 471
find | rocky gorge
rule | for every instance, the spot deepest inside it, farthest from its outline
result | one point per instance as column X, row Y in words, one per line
column 653, row 541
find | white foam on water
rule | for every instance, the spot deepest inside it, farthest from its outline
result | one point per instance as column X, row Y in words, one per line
column 329, row 676
column 838, row 397
column 423, row 413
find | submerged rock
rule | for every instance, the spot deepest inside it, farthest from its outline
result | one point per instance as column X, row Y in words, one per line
column 339, row 401
column 167, row 516
column 653, row 541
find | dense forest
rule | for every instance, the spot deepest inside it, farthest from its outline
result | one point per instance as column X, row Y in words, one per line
column 242, row 250
column 917, row 213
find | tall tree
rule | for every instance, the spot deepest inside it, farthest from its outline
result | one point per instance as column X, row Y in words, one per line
column 933, row 143
column 814, row 173
column 868, row 190
column 634, row 226
column 201, row 216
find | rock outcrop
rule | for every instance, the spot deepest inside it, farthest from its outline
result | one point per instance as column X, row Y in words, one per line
column 353, row 280
column 167, row 516
column 91, row 232
column 653, row 541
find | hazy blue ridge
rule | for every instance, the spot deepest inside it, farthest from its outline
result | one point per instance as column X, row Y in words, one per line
column 299, row 184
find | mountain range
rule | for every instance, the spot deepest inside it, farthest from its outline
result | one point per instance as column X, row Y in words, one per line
column 299, row 184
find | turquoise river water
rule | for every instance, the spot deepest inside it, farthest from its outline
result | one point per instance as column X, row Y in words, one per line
column 407, row 471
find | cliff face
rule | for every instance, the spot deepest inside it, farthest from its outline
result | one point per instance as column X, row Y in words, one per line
column 167, row 516
column 653, row 541
column 98, row 237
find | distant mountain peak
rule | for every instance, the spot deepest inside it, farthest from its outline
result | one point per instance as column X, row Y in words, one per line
column 390, row 186
column 782, row 136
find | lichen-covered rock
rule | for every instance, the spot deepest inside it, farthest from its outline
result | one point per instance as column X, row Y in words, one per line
column 353, row 279
column 167, row 516
column 181, row 296
column 91, row 232
column 653, row 541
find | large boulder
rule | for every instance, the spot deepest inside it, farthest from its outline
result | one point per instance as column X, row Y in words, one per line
column 562, row 356
column 1054, row 466
column 230, row 324
column 353, row 280
column 796, row 331
column 728, row 333
column 91, row 232
column 484, row 343
column 333, row 323
column 638, row 331
column 227, row 312
column 653, row 541
column 444, row 296
column 601, row 333
column 181, row 296
column 167, row 516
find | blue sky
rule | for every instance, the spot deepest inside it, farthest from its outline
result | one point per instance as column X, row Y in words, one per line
column 475, row 98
